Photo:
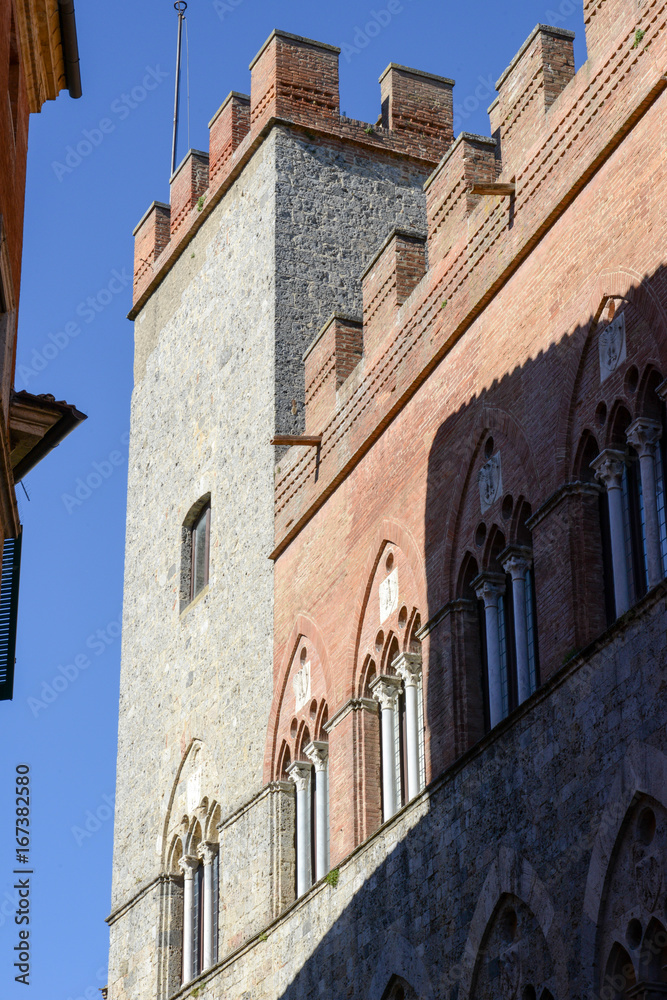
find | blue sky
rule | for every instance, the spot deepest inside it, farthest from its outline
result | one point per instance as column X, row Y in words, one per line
column 75, row 342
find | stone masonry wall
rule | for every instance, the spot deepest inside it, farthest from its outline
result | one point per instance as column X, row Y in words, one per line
column 202, row 419
column 218, row 346
column 323, row 248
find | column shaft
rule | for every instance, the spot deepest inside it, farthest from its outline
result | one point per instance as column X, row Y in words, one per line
column 493, row 662
column 388, row 763
column 618, row 553
column 650, row 497
column 322, row 825
column 412, row 732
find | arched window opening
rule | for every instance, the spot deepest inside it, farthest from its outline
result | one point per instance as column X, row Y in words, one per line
column 201, row 881
column 506, row 590
column 632, row 471
column 399, row 989
column 619, row 976
column 310, row 774
column 653, row 959
column 195, row 550
column 398, row 692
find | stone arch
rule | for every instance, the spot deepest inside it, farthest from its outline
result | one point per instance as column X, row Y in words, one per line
column 399, row 989
column 192, row 749
column 489, row 421
column 211, row 822
column 304, row 628
column 194, row 837
column 642, row 775
column 399, row 963
column 512, row 876
column 389, row 533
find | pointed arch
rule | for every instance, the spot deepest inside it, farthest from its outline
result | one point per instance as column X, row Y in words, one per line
column 399, row 961
column 619, row 283
column 304, row 626
column 643, row 772
column 512, row 875
column 389, row 533
column 193, row 747
column 489, row 420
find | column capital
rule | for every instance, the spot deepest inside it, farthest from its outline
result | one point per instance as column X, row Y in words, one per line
column 408, row 667
column 516, row 560
column 488, row 587
column 643, row 434
column 608, row 467
column 317, row 752
column 299, row 773
column 385, row 690
column 207, row 853
column 188, row 865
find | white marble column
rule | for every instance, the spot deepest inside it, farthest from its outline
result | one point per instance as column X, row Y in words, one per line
column 408, row 667
column 516, row 560
column 644, row 435
column 299, row 773
column 489, row 587
column 207, row 853
column 188, row 866
column 318, row 753
column 608, row 468
column 385, row 690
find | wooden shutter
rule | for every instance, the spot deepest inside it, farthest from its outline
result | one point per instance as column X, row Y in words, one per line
column 9, row 606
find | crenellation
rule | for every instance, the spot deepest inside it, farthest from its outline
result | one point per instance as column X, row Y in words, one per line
column 418, row 105
column 294, row 78
column 529, row 86
column 151, row 236
column 449, row 199
column 602, row 19
column 187, row 185
column 227, row 130
column 329, row 361
column 389, row 280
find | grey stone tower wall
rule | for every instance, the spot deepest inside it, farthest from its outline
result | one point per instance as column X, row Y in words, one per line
column 334, row 208
column 217, row 367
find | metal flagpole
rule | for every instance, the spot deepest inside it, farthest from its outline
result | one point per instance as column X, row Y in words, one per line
column 181, row 6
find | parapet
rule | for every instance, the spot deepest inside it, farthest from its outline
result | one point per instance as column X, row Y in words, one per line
column 418, row 105
column 329, row 361
column 295, row 78
column 602, row 19
column 227, row 130
column 538, row 74
column 294, row 81
column 388, row 281
column 151, row 236
column 449, row 198
column 187, row 185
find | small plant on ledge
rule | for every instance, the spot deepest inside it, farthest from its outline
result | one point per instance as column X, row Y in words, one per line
column 639, row 34
column 333, row 877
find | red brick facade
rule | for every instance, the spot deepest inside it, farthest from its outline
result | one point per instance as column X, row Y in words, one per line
column 492, row 350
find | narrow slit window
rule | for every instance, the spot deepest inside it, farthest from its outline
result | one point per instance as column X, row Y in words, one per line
column 201, row 533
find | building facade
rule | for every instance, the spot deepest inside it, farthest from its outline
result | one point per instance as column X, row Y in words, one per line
column 38, row 58
column 392, row 693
